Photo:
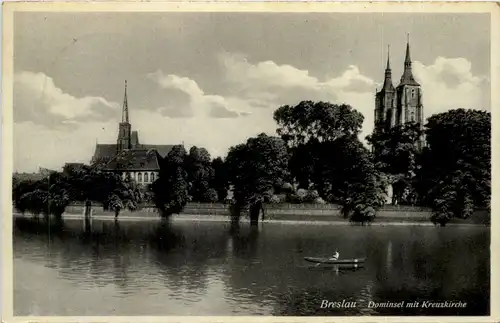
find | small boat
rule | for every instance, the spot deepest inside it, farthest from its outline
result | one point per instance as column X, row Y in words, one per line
column 324, row 260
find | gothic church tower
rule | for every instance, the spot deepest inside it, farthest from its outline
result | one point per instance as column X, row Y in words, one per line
column 404, row 104
column 385, row 101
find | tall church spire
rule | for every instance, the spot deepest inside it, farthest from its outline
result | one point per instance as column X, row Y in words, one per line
column 408, row 58
column 388, row 67
column 125, row 106
column 388, row 73
column 124, row 128
column 407, row 77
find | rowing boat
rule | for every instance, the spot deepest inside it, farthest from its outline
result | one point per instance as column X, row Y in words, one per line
column 320, row 260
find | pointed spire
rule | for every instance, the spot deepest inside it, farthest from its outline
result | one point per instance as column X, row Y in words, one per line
column 388, row 67
column 408, row 58
column 125, row 106
column 407, row 77
column 388, row 74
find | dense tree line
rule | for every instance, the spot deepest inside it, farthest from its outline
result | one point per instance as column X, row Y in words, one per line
column 451, row 174
column 51, row 194
column 317, row 157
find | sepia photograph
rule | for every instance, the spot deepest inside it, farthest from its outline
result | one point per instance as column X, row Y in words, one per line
column 249, row 162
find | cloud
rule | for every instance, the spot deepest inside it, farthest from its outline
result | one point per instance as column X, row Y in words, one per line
column 450, row 84
column 195, row 103
column 39, row 100
column 269, row 85
column 352, row 81
column 36, row 145
column 265, row 74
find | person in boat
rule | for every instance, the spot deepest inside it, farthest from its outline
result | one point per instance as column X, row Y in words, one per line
column 335, row 255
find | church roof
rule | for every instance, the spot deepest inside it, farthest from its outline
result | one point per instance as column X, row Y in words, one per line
column 162, row 150
column 134, row 159
column 104, row 151
column 108, row 151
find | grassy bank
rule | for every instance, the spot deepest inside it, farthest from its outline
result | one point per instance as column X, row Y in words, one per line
column 292, row 212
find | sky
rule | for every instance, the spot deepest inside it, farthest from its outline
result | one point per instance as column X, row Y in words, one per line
column 215, row 79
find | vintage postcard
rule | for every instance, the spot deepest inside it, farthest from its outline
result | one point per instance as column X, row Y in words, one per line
column 231, row 162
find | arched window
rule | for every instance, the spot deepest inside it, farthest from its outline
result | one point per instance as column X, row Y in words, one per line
column 146, row 179
column 139, row 177
column 152, row 177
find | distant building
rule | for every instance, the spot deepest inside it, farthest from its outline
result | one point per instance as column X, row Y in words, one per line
column 41, row 174
column 397, row 106
column 128, row 157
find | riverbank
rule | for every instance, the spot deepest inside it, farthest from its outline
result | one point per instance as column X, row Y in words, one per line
column 215, row 218
column 300, row 213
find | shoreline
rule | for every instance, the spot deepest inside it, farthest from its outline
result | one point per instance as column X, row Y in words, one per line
column 212, row 218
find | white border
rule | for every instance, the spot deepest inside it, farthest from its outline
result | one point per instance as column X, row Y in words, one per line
column 7, row 124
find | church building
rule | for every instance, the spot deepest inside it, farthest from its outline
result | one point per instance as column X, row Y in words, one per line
column 397, row 106
column 128, row 157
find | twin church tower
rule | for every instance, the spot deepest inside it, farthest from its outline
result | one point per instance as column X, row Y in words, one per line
column 397, row 106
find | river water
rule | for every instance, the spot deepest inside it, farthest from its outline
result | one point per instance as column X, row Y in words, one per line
column 208, row 268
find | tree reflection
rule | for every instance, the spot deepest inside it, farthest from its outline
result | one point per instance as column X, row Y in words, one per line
column 244, row 241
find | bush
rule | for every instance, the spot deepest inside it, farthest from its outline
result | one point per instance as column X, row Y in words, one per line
column 362, row 213
column 440, row 218
column 210, row 196
column 311, row 196
column 287, row 188
column 319, row 200
column 275, row 199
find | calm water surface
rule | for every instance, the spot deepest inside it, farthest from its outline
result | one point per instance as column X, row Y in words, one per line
column 207, row 268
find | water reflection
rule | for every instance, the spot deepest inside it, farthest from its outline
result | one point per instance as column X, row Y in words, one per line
column 183, row 268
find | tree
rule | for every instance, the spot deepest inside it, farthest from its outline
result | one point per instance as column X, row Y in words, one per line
column 200, row 173
column 254, row 167
column 171, row 188
column 47, row 196
column 456, row 168
column 452, row 198
column 327, row 156
column 397, row 154
column 308, row 129
column 220, row 181
column 51, row 194
column 316, row 121
column 353, row 180
column 210, row 196
column 125, row 195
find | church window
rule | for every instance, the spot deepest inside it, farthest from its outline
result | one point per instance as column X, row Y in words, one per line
column 139, row 177
column 146, row 179
column 152, row 177
column 412, row 117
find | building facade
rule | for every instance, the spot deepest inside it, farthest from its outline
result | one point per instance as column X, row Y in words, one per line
column 128, row 157
column 402, row 104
